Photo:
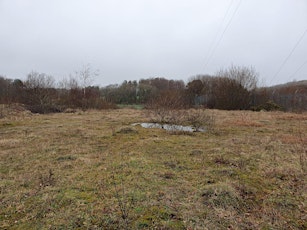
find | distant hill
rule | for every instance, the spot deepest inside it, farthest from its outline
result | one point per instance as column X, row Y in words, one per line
column 302, row 83
column 291, row 96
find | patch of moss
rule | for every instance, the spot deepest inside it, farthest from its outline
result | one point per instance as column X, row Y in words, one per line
column 7, row 124
column 156, row 217
column 81, row 196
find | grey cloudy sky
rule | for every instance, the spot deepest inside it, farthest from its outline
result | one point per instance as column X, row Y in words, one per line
column 133, row 39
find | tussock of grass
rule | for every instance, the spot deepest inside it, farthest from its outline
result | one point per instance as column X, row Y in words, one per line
column 92, row 170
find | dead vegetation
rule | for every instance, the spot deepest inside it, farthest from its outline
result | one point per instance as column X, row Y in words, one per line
column 92, row 170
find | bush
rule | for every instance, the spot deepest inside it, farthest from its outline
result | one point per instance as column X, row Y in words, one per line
column 199, row 118
column 268, row 106
column 167, row 107
column 43, row 109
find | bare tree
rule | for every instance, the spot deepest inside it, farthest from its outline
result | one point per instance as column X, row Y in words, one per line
column 77, row 91
column 237, row 86
column 246, row 77
column 40, row 93
column 230, row 95
column 86, row 76
column 194, row 91
column 4, row 90
column 69, row 83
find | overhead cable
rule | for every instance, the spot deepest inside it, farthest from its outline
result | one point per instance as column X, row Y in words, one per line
column 298, row 69
column 289, row 55
column 223, row 33
column 218, row 32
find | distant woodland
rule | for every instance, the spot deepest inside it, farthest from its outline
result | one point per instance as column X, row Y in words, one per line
column 235, row 88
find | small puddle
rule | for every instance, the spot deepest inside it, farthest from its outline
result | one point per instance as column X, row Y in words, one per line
column 169, row 127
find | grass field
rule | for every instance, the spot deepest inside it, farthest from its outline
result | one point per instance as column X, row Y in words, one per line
column 93, row 170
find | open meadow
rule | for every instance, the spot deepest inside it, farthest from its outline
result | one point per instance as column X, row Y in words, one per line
column 94, row 170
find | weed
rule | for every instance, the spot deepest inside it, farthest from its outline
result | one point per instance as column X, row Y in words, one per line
column 124, row 201
column 200, row 119
column 47, row 179
column 221, row 160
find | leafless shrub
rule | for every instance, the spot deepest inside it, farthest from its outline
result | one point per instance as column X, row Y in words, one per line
column 200, row 119
column 39, row 95
column 125, row 202
column 246, row 77
column 124, row 199
column 164, row 116
column 47, row 179
column 234, row 88
column 167, row 108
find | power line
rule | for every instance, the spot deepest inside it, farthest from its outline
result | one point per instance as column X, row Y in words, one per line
column 223, row 33
column 298, row 69
column 289, row 55
column 217, row 32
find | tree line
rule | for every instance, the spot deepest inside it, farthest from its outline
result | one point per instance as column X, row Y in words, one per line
column 235, row 88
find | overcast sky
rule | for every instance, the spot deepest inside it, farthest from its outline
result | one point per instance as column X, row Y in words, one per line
column 134, row 39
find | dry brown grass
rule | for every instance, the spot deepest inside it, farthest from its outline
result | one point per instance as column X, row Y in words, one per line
column 92, row 170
